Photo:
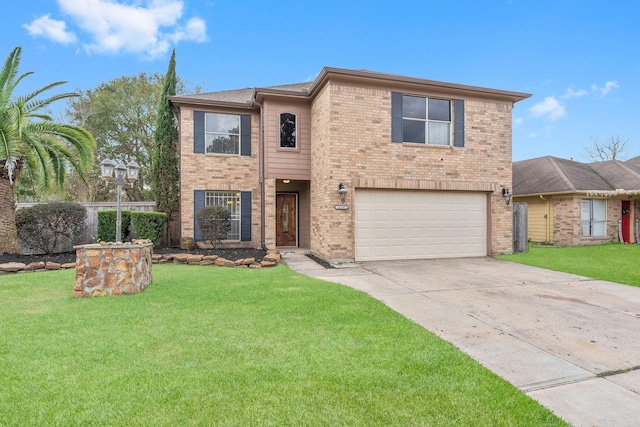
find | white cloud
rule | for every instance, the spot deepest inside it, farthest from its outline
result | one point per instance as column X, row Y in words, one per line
column 131, row 27
column 51, row 29
column 604, row 90
column 570, row 93
column 549, row 109
column 517, row 121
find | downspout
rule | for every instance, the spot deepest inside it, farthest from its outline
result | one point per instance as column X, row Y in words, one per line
column 261, row 168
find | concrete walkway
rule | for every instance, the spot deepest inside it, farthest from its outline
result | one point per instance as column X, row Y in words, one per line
column 570, row 342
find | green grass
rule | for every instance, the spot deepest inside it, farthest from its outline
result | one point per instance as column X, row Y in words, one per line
column 613, row 262
column 213, row 346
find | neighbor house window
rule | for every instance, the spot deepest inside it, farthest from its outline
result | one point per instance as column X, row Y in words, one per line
column 594, row 217
column 231, row 201
column 222, row 133
column 288, row 130
column 426, row 120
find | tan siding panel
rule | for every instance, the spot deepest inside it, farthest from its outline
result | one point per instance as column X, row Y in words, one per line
column 287, row 163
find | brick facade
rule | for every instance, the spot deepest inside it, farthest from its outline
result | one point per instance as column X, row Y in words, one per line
column 351, row 130
column 220, row 173
column 351, row 143
column 567, row 226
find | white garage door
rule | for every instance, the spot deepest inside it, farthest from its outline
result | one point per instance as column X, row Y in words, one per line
column 394, row 224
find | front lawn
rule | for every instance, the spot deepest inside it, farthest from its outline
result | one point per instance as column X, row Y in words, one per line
column 216, row 346
column 613, row 262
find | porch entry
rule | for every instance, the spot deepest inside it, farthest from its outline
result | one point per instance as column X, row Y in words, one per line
column 626, row 207
column 286, row 219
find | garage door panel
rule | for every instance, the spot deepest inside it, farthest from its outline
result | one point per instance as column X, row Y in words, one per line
column 415, row 225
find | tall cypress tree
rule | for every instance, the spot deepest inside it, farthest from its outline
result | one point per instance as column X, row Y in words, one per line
column 165, row 175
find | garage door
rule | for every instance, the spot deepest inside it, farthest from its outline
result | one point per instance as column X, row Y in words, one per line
column 419, row 224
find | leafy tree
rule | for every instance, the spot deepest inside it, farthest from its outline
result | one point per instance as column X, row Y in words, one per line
column 614, row 148
column 32, row 142
column 121, row 116
column 165, row 173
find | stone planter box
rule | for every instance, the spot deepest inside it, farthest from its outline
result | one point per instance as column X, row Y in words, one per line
column 112, row 269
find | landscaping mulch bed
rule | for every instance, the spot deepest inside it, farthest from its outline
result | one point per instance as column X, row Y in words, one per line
column 69, row 257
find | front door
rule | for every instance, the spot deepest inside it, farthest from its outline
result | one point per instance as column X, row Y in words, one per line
column 626, row 206
column 286, row 219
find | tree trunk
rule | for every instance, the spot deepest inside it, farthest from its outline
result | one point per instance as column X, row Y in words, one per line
column 8, row 231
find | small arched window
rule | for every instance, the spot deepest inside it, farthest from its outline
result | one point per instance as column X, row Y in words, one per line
column 288, row 131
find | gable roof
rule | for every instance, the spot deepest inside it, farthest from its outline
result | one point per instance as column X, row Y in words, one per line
column 548, row 175
column 245, row 98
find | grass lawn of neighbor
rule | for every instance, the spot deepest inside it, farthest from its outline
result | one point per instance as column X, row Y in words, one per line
column 205, row 346
column 613, row 262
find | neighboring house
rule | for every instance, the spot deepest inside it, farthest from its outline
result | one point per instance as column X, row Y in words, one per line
column 573, row 203
column 423, row 164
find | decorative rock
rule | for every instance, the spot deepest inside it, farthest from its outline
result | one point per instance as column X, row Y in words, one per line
column 195, row 258
column 207, row 262
column 275, row 257
column 211, row 257
column 12, row 267
column 181, row 258
column 204, row 245
column 249, row 261
column 255, row 265
column 266, row 263
column 35, row 266
column 187, row 243
column 220, row 262
column 140, row 241
column 52, row 265
column 156, row 257
column 68, row 265
column 238, row 262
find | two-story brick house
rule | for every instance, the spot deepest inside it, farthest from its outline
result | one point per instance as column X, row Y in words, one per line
column 423, row 163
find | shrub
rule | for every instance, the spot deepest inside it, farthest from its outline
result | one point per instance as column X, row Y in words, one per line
column 107, row 225
column 214, row 223
column 45, row 226
column 148, row 225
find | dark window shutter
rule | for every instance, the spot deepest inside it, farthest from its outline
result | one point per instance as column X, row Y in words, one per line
column 198, row 131
column 198, row 203
column 458, row 122
column 245, row 136
column 245, row 216
column 396, row 117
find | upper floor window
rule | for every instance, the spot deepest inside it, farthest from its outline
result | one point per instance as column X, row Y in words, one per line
column 426, row 120
column 594, row 217
column 288, row 130
column 222, row 133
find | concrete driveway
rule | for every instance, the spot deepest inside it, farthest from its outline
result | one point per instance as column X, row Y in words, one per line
column 570, row 342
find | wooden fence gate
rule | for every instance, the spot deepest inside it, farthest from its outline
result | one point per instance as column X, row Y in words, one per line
column 520, row 227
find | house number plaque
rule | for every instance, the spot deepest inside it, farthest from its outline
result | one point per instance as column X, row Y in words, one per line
column 342, row 207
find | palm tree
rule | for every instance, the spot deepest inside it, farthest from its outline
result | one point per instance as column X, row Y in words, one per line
column 31, row 141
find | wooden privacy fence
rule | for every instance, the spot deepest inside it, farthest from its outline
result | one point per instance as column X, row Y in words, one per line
column 520, row 227
column 91, row 221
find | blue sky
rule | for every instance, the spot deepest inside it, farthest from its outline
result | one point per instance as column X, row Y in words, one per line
column 579, row 59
